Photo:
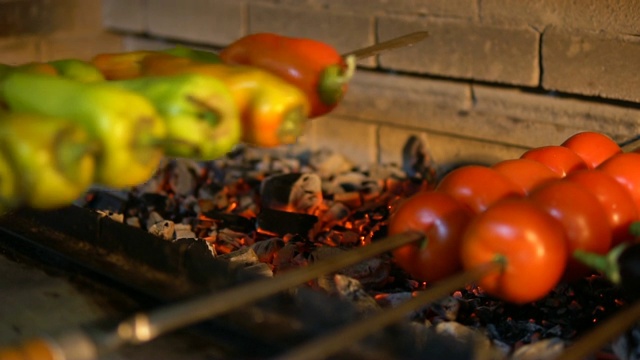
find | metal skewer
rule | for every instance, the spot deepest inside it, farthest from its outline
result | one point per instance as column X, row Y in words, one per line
column 601, row 335
column 323, row 347
column 79, row 344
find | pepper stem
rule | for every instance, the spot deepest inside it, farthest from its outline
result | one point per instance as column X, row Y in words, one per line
column 606, row 264
column 332, row 81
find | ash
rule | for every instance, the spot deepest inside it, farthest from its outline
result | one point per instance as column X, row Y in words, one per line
column 273, row 209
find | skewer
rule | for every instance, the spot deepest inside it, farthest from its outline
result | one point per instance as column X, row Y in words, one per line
column 79, row 344
column 595, row 339
column 325, row 346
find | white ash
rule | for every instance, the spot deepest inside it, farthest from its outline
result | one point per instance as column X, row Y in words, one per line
column 165, row 229
column 627, row 346
column 540, row 350
column 112, row 215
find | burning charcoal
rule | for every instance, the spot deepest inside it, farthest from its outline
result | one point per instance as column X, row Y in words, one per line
column 105, row 200
column 232, row 221
column 416, row 161
column 164, row 229
column 283, row 222
column 351, row 181
column 154, row 218
column 243, row 257
column 447, row 308
column 328, row 163
column 352, row 290
column 292, row 192
column 393, row 299
column 112, row 215
column 627, row 346
column 184, row 176
column 483, row 349
column 184, row 231
column 543, row 349
column 227, row 240
column 266, row 250
column 261, row 269
column 337, row 213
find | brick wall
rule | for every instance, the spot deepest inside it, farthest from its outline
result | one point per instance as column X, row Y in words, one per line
column 494, row 78
column 42, row 30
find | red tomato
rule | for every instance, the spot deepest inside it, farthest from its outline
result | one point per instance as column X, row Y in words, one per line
column 560, row 159
column 442, row 219
column 478, row 186
column 625, row 168
column 593, row 147
column 584, row 220
column 530, row 242
column 614, row 198
column 527, row 173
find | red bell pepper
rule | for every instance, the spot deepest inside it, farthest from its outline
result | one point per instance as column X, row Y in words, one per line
column 313, row 66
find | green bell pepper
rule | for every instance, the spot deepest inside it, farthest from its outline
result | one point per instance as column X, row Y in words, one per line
column 201, row 116
column 201, row 56
column 52, row 159
column 77, row 70
column 124, row 125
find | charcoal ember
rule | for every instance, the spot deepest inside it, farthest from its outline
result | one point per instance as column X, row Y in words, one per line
column 446, row 308
column 267, row 250
column 294, row 192
column 226, row 240
column 328, row 163
column 184, row 176
column 337, row 213
column 242, row 257
column 115, row 216
column 104, row 200
column 352, row 290
column 259, row 269
column 234, row 222
column 627, row 345
column 183, row 231
column 346, row 182
column 416, row 160
column 543, row 349
column 371, row 272
column 280, row 222
column 482, row 345
column 165, row 229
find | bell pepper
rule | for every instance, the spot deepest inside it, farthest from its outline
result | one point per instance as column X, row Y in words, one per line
column 52, row 159
column 201, row 56
column 272, row 111
column 313, row 66
column 118, row 66
column 77, row 70
column 33, row 67
column 124, row 124
column 9, row 185
column 200, row 113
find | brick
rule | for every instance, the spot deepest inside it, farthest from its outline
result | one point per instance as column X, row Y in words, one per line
column 77, row 17
column 83, row 48
column 128, row 15
column 446, row 8
column 23, row 17
column 345, row 32
column 446, row 151
column 567, row 115
column 337, row 132
column 613, row 16
column 496, row 114
column 19, row 50
column 591, row 64
column 464, row 50
column 214, row 22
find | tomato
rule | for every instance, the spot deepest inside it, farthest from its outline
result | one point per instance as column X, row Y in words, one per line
column 560, row 159
column 443, row 220
column 478, row 186
column 593, row 147
column 584, row 220
column 527, row 239
column 614, row 198
column 527, row 173
column 625, row 168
